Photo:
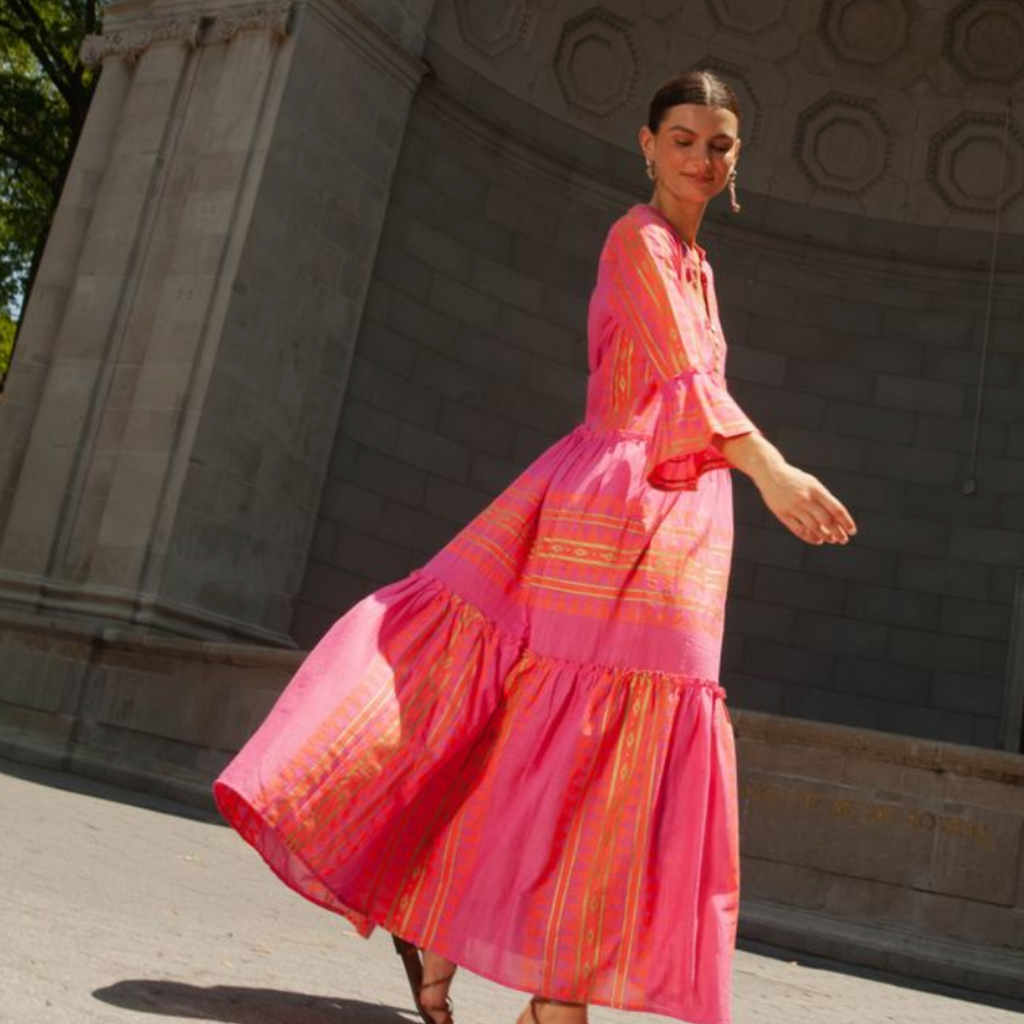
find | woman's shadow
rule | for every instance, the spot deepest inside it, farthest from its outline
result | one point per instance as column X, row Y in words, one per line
column 232, row 1004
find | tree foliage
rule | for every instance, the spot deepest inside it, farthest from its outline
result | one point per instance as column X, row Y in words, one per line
column 44, row 95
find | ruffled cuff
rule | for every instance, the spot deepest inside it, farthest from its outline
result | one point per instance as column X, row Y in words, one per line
column 695, row 407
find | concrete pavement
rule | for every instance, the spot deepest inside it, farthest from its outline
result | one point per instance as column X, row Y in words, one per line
column 119, row 907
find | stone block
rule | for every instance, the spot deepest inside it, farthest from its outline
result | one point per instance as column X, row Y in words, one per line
column 387, row 477
column 776, row 406
column 436, row 249
column 349, row 505
column 916, row 465
column 916, row 326
column 368, row 556
column 841, row 635
column 453, row 502
column 532, row 333
column 449, row 377
column 492, row 475
column 751, row 364
column 985, row 619
column 768, row 546
column 424, row 533
column 972, row 694
column 833, row 313
column 371, row 427
column 493, row 356
column 477, row 429
column 432, row 453
column 893, row 605
column 799, row 590
column 818, row 449
column 559, row 382
column 463, row 304
column 506, row 284
column 787, row 663
column 828, row 705
column 844, row 383
column 331, row 587
column 760, row 619
column 940, row 576
column 917, row 395
column 905, row 684
column 987, row 546
column 745, row 691
column 933, row 650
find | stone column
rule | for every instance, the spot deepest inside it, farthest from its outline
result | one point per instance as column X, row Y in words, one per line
column 169, row 417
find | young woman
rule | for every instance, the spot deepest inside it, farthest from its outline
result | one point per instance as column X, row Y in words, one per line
column 518, row 758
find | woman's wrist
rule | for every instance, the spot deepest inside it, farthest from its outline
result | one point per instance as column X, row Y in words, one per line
column 754, row 455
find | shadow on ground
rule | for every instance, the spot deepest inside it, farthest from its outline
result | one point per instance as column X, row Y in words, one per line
column 231, row 1004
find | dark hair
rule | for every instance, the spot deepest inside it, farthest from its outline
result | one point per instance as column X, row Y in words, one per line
column 702, row 88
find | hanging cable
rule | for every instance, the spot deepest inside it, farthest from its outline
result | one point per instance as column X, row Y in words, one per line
column 970, row 484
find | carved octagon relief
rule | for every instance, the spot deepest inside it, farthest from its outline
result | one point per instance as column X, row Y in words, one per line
column 748, row 17
column 491, row 26
column 865, row 31
column 966, row 163
column 597, row 62
column 842, row 144
column 985, row 39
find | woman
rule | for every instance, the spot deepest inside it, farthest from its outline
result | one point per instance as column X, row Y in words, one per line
column 518, row 758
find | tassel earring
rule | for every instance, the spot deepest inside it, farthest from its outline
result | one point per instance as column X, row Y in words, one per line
column 733, row 201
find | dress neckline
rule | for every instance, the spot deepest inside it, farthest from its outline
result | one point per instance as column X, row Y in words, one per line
column 662, row 219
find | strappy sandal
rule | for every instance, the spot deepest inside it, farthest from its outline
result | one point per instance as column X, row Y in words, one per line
column 414, row 972
column 541, row 999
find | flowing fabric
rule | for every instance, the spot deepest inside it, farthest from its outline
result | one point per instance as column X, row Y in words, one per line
column 519, row 755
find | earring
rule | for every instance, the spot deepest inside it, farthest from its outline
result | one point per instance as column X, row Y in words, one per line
column 733, row 201
column 651, row 172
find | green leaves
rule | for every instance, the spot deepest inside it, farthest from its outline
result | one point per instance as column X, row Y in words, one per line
column 44, row 95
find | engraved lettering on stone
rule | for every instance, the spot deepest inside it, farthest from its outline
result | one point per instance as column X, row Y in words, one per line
column 842, row 144
column 597, row 62
column 747, row 17
column 130, row 43
column 965, row 163
column 870, row 813
column 491, row 26
column 985, row 40
column 273, row 18
column 865, row 31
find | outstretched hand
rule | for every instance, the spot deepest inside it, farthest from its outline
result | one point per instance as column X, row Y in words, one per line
column 806, row 506
column 800, row 501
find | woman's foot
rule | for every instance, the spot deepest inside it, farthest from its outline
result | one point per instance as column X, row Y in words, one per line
column 553, row 1011
column 437, row 979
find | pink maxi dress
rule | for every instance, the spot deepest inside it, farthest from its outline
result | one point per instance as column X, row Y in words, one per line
column 519, row 755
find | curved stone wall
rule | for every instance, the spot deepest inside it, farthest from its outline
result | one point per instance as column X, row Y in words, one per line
column 855, row 309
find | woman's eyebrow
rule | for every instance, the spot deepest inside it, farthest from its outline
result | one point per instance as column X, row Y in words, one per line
column 691, row 131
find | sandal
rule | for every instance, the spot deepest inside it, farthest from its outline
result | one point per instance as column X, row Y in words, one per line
column 414, row 972
column 542, row 999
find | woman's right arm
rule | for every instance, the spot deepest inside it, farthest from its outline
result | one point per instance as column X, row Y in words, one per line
column 800, row 501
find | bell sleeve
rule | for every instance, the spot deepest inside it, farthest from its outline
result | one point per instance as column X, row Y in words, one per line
column 696, row 406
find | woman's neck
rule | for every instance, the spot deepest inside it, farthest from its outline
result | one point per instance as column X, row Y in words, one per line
column 684, row 217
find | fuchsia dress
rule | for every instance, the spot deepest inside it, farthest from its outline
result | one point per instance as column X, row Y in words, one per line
column 519, row 756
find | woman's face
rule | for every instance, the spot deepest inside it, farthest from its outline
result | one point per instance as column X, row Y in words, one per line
column 694, row 150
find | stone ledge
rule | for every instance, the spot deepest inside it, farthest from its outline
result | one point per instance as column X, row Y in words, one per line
column 932, row 755
column 982, row 968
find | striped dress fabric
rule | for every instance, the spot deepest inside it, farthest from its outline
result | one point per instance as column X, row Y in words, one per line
column 519, row 755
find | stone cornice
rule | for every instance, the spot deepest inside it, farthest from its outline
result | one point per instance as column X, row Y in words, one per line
column 129, row 40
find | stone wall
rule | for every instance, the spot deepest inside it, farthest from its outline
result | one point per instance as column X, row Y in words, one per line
column 855, row 343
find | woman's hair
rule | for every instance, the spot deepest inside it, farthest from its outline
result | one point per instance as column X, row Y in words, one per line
column 702, row 88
